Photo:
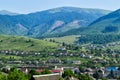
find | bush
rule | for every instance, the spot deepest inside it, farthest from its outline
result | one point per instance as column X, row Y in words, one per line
column 67, row 73
column 84, row 77
column 45, row 72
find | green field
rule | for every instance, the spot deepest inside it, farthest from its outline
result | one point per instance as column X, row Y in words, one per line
column 24, row 43
column 67, row 39
column 3, row 56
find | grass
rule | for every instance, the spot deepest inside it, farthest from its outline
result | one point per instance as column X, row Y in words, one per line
column 67, row 39
column 3, row 56
column 24, row 43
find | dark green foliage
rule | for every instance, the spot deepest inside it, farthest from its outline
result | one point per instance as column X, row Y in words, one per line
column 99, row 38
column 82, row 68
column 110, row 29
column 1, row 40
column 33, row 72
column 16, row 75
column 5, row 70
column 104, row 79
column 60, row 78
column 3, row 77
column 112, row 74
column 63, row 44
column 96, row 75
column 45, row 72
column 84, row 77
column 67, row 73
column 118, row 77
column 32, row 45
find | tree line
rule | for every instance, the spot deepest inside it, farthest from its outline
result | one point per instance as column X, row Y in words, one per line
column 99, row 38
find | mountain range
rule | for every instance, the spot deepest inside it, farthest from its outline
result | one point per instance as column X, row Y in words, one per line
column 49, row 22
column 107, row 24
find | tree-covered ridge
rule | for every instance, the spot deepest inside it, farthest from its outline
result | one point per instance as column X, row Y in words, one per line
column 106, row 24
column 99, row 38
column 115, row 14
column 109, row 29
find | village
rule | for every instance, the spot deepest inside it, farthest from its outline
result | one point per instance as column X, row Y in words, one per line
column 96, row 63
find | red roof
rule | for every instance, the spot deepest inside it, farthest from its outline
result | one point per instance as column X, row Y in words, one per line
column 39, row 70
column 55, row 71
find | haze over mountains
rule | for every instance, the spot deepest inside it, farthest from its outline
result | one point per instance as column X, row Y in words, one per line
column 49, row 22
column 5, row 12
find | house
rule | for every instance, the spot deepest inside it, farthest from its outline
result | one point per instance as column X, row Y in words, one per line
column 89, row 71
column 39, row 70
column 54, row 60
column 111, row 72
column 76, row 62
column 24, row 70
column 108, row 69
column 76, row 70
column 14, row 62
column 56, row 71
column 82, row 55
column 99, row 60
column 62, row 49
column 52, row 71
column 89, row 56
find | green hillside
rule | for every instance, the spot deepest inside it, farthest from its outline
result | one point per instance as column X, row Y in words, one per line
column 24, row 43
column 107, row 24
column 104, row 30
column 66, row 39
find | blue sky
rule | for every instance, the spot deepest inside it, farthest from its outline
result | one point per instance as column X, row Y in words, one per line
column 27, row 6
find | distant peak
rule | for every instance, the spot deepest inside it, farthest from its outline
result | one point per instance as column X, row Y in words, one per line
column 75, row 9
column 5, row 12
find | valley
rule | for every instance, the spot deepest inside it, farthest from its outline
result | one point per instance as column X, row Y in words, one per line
column 84, row 41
